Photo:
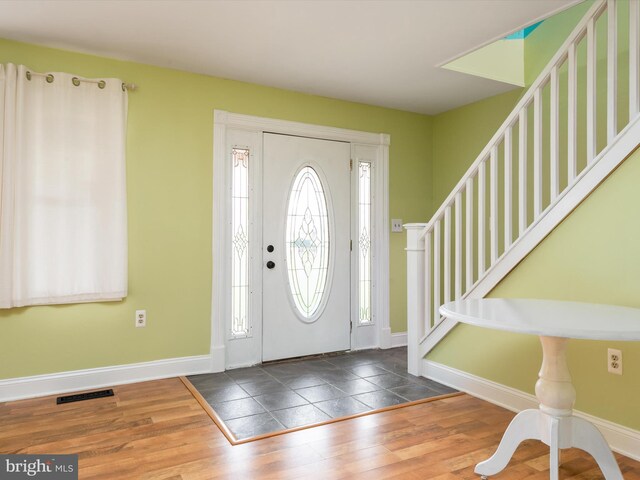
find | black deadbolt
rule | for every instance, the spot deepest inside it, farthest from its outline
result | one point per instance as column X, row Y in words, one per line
column 270, row 264
column 270, row 248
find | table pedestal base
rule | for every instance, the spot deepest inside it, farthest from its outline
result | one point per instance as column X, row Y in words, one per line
column 557, row 432
column 554, row 423
column 555, row 323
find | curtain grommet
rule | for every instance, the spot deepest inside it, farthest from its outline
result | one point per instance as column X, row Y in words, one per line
column 50, row 78
column 102, row 84
column 28, row 75
column 75, row 81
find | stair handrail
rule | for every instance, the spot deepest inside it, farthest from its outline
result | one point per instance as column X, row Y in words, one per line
column 576, row 35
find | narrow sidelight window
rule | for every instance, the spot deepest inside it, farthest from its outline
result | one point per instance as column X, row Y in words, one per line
column 364, row 242
column 240, row 242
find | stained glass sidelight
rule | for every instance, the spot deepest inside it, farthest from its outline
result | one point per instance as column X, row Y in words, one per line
column 364, row 242
column 307, row 242
column 240, row 242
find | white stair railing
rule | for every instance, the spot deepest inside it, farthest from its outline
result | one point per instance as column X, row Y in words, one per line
column 528, row 177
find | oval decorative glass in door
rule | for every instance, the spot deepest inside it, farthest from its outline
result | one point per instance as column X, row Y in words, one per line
column 307, row 242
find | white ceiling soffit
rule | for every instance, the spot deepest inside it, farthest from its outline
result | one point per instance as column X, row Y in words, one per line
column 380, row 52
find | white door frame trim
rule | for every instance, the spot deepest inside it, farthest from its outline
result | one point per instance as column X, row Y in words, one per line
column 222, row 121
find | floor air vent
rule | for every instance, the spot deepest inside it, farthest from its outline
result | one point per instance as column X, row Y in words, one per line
column 85, row 396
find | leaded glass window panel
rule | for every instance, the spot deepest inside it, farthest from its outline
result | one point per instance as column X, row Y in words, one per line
column 364, row 242
column 307, row 242
column 240, row 242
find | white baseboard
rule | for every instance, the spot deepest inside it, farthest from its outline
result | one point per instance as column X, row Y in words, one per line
column 623, row 440
column 399, row 339
column 50, row 384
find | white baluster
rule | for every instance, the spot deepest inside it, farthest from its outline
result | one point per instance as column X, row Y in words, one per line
column 447, row 255
column 572, row 113
column 537, row 153
column 482, row 185
column 508, row 234
column 469, row 234
column 522, row 171
column 612, row 69
column 428, row 264
column 457, row 275
column 493, row 204
column 634, row 51
column 436, row 273
column 554, row 145
column 592, row 61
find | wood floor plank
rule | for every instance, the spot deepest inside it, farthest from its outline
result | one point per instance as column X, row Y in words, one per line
column 157, row 430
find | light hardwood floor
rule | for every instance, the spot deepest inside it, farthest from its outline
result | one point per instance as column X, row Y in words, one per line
column 157, row 430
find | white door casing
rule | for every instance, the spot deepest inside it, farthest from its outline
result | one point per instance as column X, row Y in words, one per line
column 244, row 131
column 324, row 326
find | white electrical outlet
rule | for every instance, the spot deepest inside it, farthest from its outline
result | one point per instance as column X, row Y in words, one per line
column 614, row 361
column 396, row 225
column 141, row 318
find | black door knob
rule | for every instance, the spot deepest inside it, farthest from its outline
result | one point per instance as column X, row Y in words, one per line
column 270, row 264
column 270, row 248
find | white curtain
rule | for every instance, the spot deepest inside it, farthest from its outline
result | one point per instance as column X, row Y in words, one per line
column 63, row 224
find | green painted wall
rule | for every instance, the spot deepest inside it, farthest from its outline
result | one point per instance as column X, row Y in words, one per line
column 545, row 40
column 502, row 60
column 592, row 256
column 461, row 134
column 169, row 168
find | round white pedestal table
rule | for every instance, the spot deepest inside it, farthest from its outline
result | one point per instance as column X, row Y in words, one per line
column 555, row 322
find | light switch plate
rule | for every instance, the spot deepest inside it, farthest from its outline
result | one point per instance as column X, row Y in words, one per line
column 396, row 225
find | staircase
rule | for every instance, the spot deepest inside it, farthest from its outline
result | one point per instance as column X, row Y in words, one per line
column 540, row 165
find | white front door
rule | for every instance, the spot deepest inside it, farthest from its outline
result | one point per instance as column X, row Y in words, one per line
column 306, row 246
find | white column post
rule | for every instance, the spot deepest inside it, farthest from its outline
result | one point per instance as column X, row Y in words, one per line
column 415, row 294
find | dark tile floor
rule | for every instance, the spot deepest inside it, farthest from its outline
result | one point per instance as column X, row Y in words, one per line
column 267, row 398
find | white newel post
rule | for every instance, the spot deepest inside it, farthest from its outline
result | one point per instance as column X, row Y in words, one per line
column 415, row 294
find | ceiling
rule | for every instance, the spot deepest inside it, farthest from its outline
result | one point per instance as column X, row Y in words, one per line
column 379, row 52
